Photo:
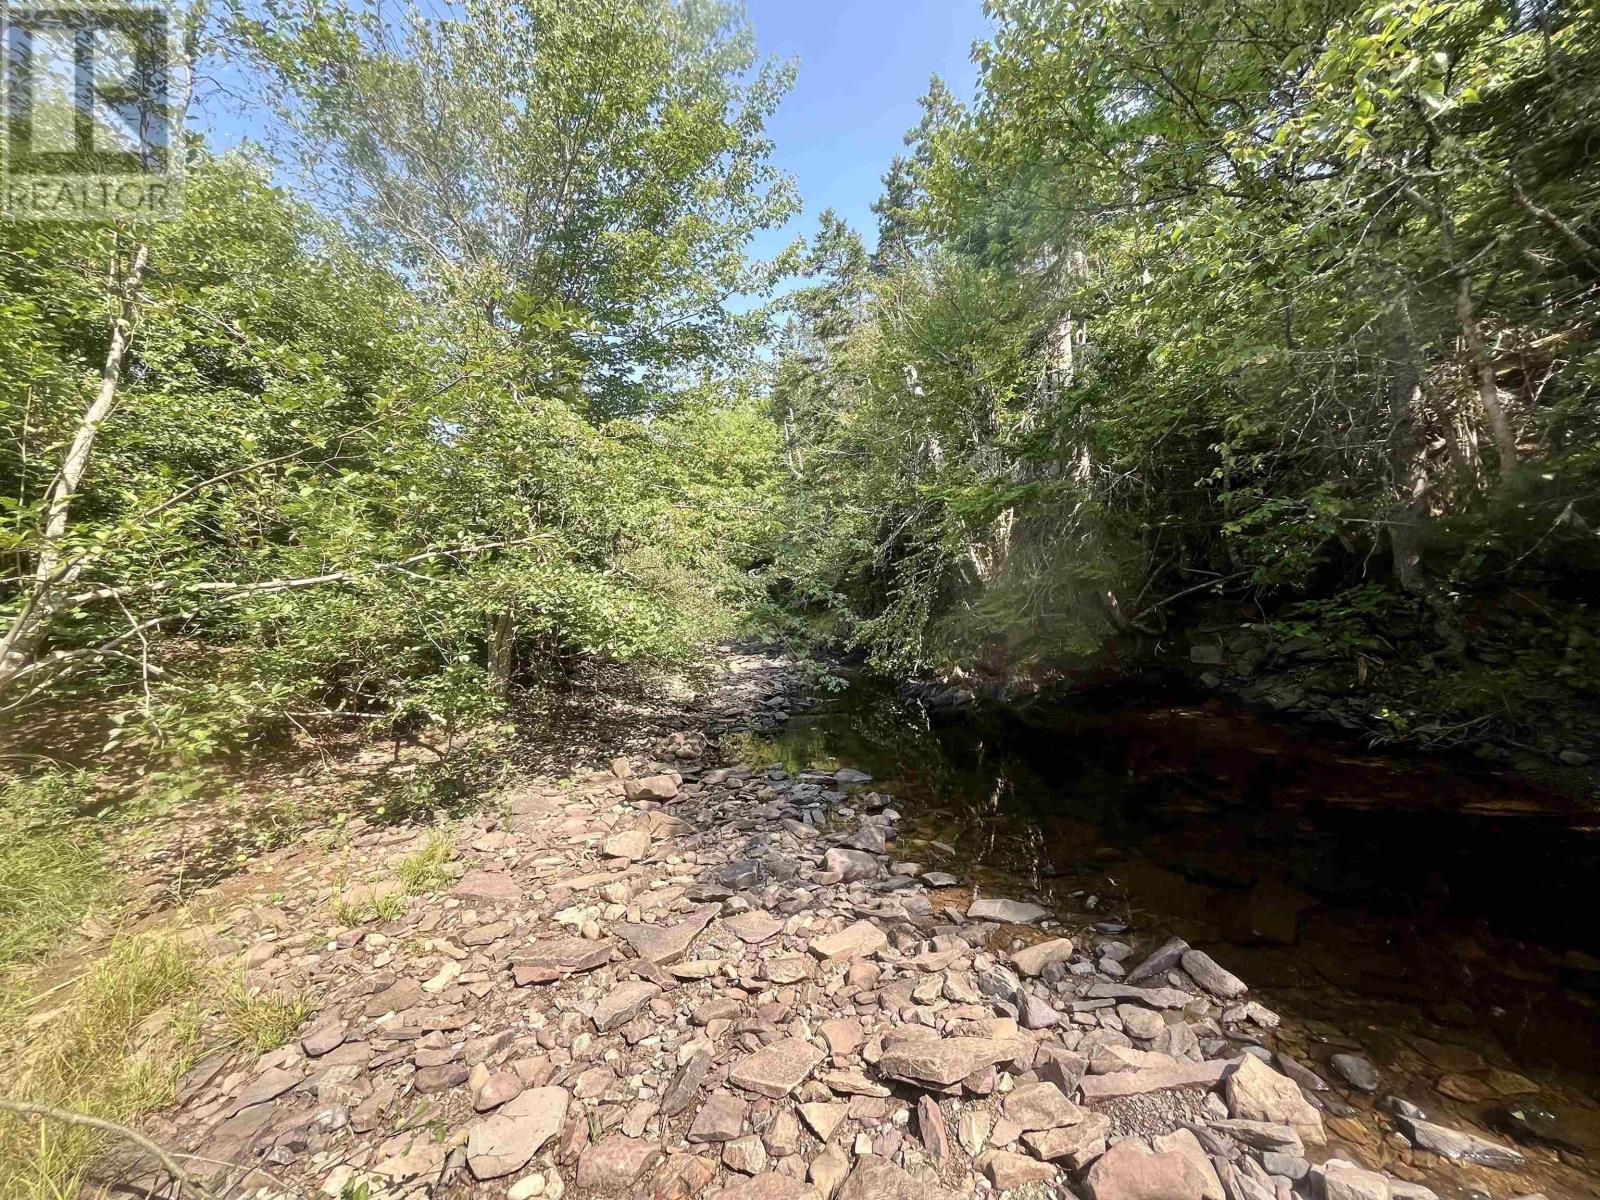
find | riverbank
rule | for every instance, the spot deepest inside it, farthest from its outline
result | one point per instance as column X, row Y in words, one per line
column 674, row 972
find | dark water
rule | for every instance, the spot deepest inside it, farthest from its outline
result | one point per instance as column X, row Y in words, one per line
column 1439, row 917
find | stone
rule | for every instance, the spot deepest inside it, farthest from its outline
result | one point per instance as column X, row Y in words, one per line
column 321, row 1038
column 1346, row 1181
column 1355, row 1070
column 1007, row 912
column 1261, row 1135
column 1458, row 1146
column 1040, row 1106
column 939, row 879
column 944, row 1061
column 685, row 1083
column 753, row 927
column 612, row 1165
column 783, row 1137
column 494, row 886
column 1140, row 1022
column 623, row 1003
column 1205, row 971
column 1160, row 961
column 631, row 844
column 843, row 1035
column 1155, row 997
column 1255, row 1092
column 770, row 1185
column 651, row 787
column 1031, row 960
column 663, row 944
column 1184, row 1142
column 1033, row 1012
column 1007, row 1170
column 551, row 959
column 1062, row 1067
column 823, row 1117
column 497, row 1089
column 1071, row 1145
column 859, row 940
column 720, row 1119
column 932, row 1130
column 787, row 970
column 504, row 1142
column 440, row 1079
column 878, row 1179
column 828, row 1170
column 778, row 1069
column 851, row 865
column 1173, row 1073
column 745, row 1154
column 1128, row 1171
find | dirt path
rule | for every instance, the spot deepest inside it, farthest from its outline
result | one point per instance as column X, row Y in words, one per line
column 670, row 976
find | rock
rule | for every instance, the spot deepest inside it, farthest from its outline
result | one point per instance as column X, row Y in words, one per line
column 860, row 940
column 499, row 1088
column 1062, row 1067
column 1355, row 1070
column 1140, row 1022
column 720, row 1119
column 613, row 1164
column 504, row 1143
column 1160, row 961
column 849, row 775
column 320, row 1039
column 1128, row 1171
column 685, row 1084
column 1346, row 1181
column 771, row 1185
column 944, row 1061
column 1035, row 1013
column 745, row 1154
column 843, row 1035
column 665, row 944
column 1261, row 1135
column 851, row 865
column 877, row 1179
column 623, row 1003
column 1461, row 1147
column 828, row 1170
column 1184, row 1142
column 1155, row 997
column 494, row 886
column 1007, row 912
column 932, row 1130
column 1031, row 960
column 1205, row 971
column 824, row 1117
column 939, row 879
column 1071, row 1145
column 631, row 844
column 778, row 1069
column 1160, row 1077
column 1255, row 1092
column 753, row 927
column 551, row 959
column 783, row 1137
column 1040, row 1106
column 651, row 787
column 439, row 1079
column 1007, row 1170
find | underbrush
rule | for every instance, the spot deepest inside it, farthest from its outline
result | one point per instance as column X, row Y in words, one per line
column 126, row 1035
column 50, row 875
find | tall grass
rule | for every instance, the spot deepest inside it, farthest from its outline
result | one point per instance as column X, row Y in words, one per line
column 48, row 878
column 116, row 1050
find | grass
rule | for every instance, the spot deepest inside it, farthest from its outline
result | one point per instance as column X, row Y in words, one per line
column 427, row 869
column 48, row 879
column 261, row 1021
column 119, row 1045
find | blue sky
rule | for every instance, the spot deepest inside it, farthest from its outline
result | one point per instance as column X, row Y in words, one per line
column 863, row 66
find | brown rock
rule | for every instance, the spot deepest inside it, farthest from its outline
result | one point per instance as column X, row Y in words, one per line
column 1071, row 1145
column 860, row 940
column 778, row 1069
column 944, row 1061
column 506, row 1141
column 1128, row 1171
column 1034, row 959
column 614, row 1164
column 720, row 1119
column 622, row 1003
column 1255, row 1092
column 1007, row 1170
column 1041, row 1106
column 494, row 886
column 1178, row 1073
column 877, row 1179
column 663, row 944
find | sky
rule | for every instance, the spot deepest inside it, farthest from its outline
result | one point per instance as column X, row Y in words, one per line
column 863, row 65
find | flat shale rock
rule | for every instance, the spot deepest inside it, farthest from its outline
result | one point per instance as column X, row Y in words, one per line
column 663, row 944
column 878, row 1179
column 614, row 1164
column 1031, row 960
column 1007, row 912
column 1462, row 1147
column 944, row 1061
column 622, row 1003
column 770, row 1185
column 1007, row 1170
column 776, row 1070
column 1040, row 1106
column 1255, row 1092
column 494, row 886
column 1174, row 1073
column 860, row 940
column 753, row 927
column 504, row 1143
column 1128, row 1171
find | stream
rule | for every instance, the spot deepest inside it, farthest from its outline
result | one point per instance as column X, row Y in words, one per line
column 1421, row 912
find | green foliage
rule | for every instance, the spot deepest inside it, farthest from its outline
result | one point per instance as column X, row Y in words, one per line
column 1200, row 298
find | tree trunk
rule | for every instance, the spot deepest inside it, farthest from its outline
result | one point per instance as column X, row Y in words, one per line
column 1505, row 439
column 1408, row 476
column 54, row 569
column 502, row 651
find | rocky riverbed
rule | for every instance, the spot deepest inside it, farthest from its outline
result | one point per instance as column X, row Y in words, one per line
column 675, row 975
